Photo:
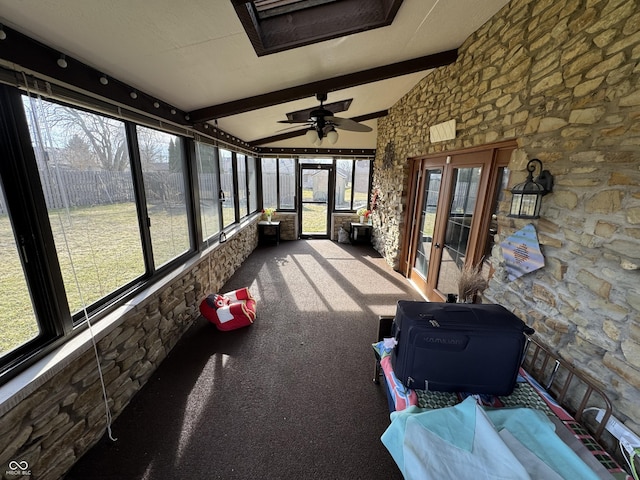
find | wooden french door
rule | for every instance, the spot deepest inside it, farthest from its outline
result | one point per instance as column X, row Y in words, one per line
column 452, row 200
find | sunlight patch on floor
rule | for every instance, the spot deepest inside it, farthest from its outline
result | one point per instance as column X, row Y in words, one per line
column 195, row 404
column 265, row 286
column 335, row 298
column 368, row 284
column 383, row 310
column 330, row 250
column 301, row 290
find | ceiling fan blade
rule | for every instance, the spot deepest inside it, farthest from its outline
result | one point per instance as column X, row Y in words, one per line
column 293, row 127
column 348, row 124
column 293, row 121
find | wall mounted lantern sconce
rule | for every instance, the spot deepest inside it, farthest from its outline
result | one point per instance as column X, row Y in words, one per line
column 526, row 197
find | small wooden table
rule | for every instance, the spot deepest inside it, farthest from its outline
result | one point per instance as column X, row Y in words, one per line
column 360, row 232
column 269, row 233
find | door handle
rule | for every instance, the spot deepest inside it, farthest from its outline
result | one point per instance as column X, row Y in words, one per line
column 437, row 245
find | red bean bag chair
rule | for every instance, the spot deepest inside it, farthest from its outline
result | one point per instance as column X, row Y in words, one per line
column 231, row 310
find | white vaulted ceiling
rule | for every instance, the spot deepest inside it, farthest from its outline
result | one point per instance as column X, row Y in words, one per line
column 195, row 53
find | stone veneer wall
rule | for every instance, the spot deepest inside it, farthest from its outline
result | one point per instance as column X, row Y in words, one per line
column 59, row 421
column 288, row 225
column 563, row 78
column 341, row 220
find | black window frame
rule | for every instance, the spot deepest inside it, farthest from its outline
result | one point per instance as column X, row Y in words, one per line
column 27, row 211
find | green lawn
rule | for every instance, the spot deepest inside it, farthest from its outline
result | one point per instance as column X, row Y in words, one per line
column 104, row 242
column 314, row 215
column 106, row 253
column 314, row 219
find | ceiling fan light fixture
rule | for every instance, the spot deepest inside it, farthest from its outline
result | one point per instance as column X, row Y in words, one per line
column 312, row 135
column 332, row 136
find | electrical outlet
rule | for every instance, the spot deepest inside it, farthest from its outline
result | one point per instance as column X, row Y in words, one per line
column 628, row 439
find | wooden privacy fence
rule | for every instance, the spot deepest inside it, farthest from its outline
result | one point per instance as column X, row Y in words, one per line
column 72, row 188
column 287, row 190
column 65, row 188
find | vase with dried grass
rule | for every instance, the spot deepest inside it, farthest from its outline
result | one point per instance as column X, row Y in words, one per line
column 471, row 282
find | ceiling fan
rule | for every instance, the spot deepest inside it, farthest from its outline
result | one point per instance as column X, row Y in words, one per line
column 322, row 123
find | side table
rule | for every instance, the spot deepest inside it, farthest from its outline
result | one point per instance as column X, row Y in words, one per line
column 360, row 232
column 269, row 233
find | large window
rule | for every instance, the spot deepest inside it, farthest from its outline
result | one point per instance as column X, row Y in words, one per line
column 252, row 182
column 287, row 183
column 243, row 201
column 163, row 167
column 207, row 166
column 269, row 182
column 279, row 183
column 92, row 207
column 226, row 185
column 85, row 174
column 352, row 184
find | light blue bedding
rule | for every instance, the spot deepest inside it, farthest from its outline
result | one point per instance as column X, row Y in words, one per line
column 463, row 441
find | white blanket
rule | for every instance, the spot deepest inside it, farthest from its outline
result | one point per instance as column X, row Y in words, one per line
column 466, row 442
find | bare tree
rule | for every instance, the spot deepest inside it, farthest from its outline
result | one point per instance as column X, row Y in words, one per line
column 79, row 155
column 105, row 135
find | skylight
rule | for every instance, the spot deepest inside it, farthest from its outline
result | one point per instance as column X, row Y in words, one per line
column 271, row 8
column 276, row 25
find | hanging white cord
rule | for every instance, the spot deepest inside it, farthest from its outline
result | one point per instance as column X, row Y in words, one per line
column 36, row 127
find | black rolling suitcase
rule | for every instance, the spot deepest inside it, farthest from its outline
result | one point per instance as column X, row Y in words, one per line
column 457, row 347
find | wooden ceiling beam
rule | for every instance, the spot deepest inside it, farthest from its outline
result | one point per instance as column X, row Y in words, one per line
column 328, row 85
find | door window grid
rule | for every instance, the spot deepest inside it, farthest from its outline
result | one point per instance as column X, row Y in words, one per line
column 427, row 221
column 459, row 218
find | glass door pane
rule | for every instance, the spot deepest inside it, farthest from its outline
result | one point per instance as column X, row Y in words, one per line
column 314, row 202
column 432, row 182
column 459, row 217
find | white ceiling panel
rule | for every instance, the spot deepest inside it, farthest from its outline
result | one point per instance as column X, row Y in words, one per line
column 195, row 53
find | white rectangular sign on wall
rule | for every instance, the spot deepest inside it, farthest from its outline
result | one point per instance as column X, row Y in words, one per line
column 443, row 131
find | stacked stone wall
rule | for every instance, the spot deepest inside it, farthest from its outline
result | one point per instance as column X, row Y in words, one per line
column 288, row 225
column 562, row 77
column 342, row 220
column 57, row 423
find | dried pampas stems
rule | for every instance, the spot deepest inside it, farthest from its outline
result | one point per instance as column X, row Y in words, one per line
column 470, row 283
